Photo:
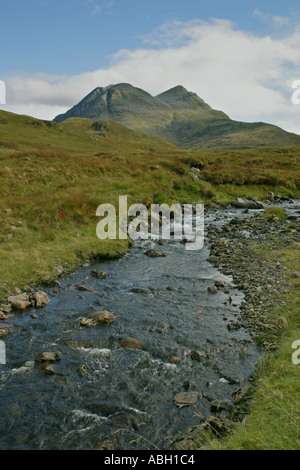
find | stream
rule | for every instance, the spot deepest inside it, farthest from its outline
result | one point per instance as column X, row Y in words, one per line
column 126, row 396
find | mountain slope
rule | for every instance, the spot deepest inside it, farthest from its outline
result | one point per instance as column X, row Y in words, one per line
column 81, row 135
column 178, row 116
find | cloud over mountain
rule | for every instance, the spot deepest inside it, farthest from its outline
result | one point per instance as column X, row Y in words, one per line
column 247, row 76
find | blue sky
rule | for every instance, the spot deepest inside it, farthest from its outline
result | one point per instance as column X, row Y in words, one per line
column 240, row 56
column 68, row 37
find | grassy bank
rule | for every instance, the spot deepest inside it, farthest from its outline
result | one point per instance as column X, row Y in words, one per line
column 54, row 176
column 274, row 420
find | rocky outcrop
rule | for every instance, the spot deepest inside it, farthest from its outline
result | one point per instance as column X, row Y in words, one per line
column 250, row 203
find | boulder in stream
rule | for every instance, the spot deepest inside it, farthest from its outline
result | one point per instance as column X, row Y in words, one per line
column 99, row 274
column 19, row 302
column 48, row 357
column 212, row 289
column 131, row 343
column 41, row 299
column 98, row 318
column 198, row 356
column 155, row 254
column 186, row 399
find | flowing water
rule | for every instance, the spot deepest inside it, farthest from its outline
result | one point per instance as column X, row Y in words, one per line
column 126, row 396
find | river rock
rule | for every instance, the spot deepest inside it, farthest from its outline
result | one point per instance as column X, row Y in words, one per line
column 3, row 332
column 186, row 399
column 155, row 253
column 236, row 221
column 85, row 289
column 106, row 445
column 175, row 360
column 220, row 284
column 48, row 357
column 187, row 240
column 131, row 343
column 234, row 326
column 99, row 274
column 140, row 290
column 198, row 356
column 87, row 322
column 97, row 318
column 19, row 302
column 212, row 289
column 83, row 370
column 5, row 308
column 161, row 328
column 52, row 370
column 248, row 204
column 29, row 364
column 41, row 299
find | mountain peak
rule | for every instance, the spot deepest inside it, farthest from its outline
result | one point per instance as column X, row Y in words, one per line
column 178, row 90
column 179, row 98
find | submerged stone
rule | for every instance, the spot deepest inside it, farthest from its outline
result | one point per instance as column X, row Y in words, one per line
column 186, row 399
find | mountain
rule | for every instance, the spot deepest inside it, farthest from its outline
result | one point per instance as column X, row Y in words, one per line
column 178, row 116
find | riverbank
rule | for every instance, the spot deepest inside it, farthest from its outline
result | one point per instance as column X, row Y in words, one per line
column 262, row 255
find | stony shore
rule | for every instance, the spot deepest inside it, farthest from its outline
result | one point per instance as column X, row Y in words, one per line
column 240, row 249
column 236, row 249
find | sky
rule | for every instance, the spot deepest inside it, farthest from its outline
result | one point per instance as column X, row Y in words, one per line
column 240, row 56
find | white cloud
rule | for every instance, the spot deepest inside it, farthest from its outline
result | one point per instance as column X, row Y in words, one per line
column 98, row 6
column 269, row 18
column 247, row 76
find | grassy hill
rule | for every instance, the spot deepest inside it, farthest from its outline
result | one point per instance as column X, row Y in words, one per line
column 178, row 116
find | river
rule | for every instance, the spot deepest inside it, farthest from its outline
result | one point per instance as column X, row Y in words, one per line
column 126, row 396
